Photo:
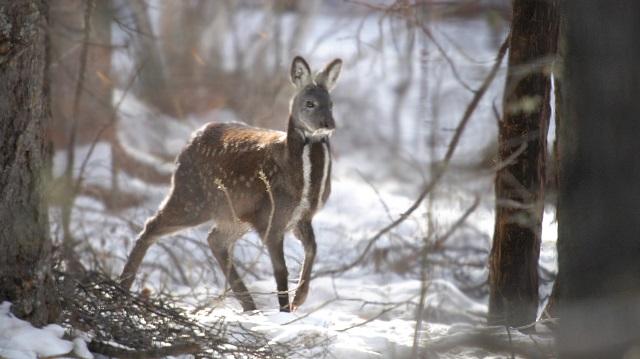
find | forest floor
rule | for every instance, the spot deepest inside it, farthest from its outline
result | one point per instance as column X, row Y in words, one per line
column 365, row 312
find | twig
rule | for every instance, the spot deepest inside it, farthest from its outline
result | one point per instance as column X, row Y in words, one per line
column 173, row 350
column 488, row 340
column 509, row 160
column 267, row 186
column 506, row 327
column 375, row 190
column 444, row 54
column 384, row 311
column 440, row 241
column 67, row 204
column 111, row 121
column 311, row 311
column 222, row 187
column 176, row 263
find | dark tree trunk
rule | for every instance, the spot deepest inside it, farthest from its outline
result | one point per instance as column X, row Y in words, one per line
column 519, row 184
column 24, row 154
column 599, row 202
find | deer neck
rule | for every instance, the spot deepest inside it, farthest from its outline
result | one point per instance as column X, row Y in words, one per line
column 296, row 140
column 311, row 170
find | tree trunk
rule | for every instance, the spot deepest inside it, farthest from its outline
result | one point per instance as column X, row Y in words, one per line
column 151, row 86
column 24, row 154
column 67, row 38
column 519, row 185
column 80, row 37
column 599, row 202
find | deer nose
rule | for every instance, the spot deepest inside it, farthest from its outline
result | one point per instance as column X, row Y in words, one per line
column 328, row 123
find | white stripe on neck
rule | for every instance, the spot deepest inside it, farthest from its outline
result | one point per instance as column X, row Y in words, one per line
column 303, row 205
column 325, row 173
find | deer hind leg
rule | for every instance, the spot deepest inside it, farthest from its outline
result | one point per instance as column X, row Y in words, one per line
column 220, row 240
column 304, row 232
column 173, row 216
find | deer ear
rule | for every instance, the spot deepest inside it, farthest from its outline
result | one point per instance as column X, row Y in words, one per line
column 329, row 75
column 300, row 72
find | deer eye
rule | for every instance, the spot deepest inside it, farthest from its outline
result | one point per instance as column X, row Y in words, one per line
column 309, row 104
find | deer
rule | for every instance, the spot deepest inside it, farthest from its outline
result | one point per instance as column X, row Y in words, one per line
column 246, row 178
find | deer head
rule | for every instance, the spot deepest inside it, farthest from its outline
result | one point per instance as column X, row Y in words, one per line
column 311, row 107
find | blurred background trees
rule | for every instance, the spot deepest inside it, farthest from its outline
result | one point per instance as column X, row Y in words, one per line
column 598, row 199
column 139, row 76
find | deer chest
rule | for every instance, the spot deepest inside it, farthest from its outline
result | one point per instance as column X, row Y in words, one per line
column 315, row 175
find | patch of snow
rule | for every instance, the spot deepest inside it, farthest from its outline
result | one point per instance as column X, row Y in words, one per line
column 80, row 349
column 20, row 340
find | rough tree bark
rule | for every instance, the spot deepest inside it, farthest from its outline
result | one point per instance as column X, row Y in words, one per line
column 24, row 154
column 519, row 184
column 599, row 202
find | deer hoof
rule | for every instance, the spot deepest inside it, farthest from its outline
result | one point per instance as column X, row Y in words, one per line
column 299, row 298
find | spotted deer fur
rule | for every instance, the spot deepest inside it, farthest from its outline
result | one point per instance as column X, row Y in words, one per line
column 247, row 178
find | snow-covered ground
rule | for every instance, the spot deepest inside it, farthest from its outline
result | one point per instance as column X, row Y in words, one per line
column 368, row 311
column 20, row 340
column 362, row 313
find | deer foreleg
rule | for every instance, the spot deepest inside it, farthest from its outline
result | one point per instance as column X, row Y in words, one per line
column 304, row 232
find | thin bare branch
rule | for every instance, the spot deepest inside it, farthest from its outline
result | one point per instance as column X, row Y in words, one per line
column 382, row 312
column 440, row 170
column 444, row 54
column 104, row 127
